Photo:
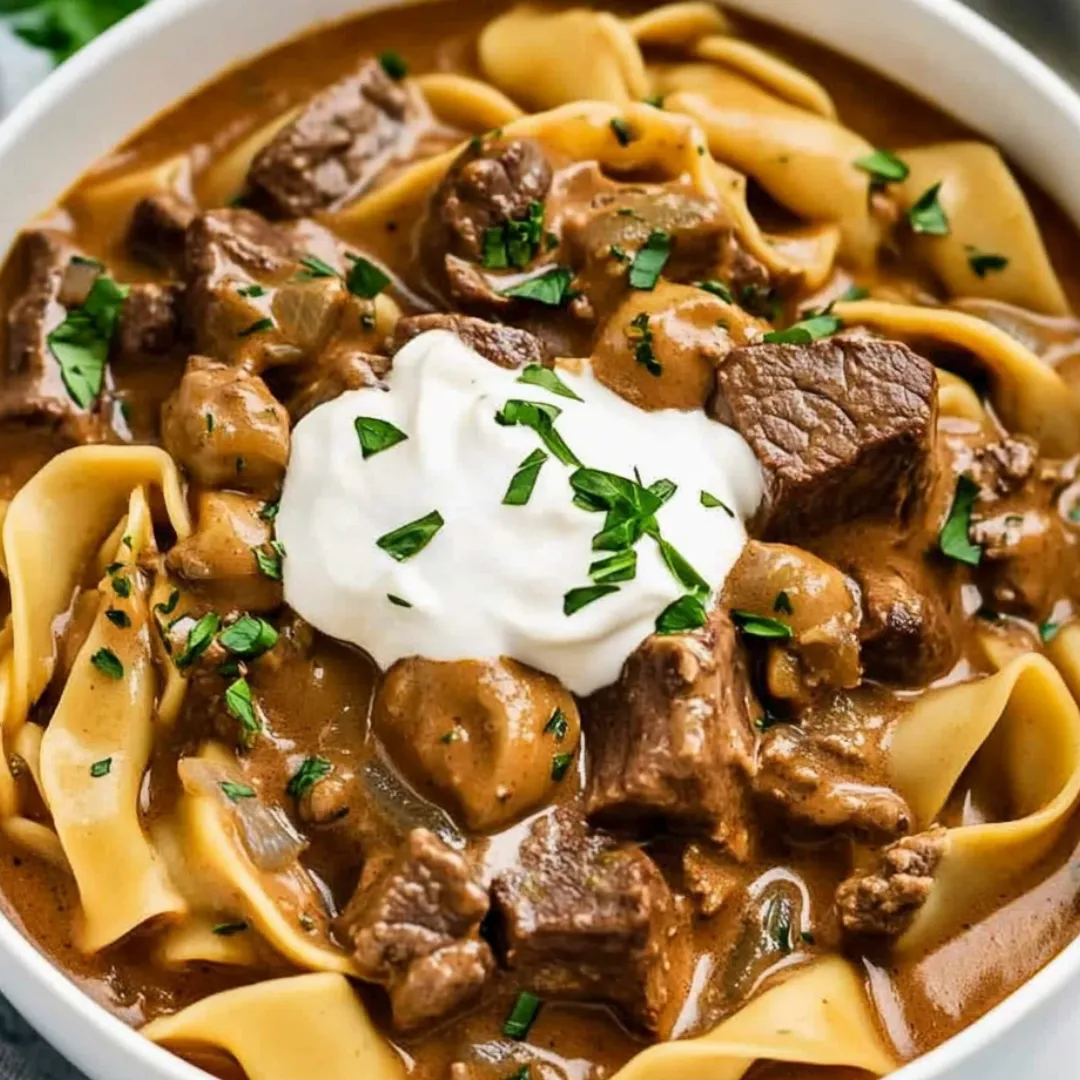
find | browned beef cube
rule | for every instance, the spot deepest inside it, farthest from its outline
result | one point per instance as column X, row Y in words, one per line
column 584, row 918
column 671, row 741
column 503, row 345
column 414, row 928
column 33, row 388
column 335, row 372
column 842, row 428
column 149, row 321
column 338, row 144
column 157, row 231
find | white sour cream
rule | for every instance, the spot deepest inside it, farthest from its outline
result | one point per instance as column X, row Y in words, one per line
column 492, row 581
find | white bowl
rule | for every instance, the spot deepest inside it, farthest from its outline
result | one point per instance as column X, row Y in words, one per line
column 935, row 47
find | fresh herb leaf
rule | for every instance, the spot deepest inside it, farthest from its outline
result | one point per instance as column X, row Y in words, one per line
column 650, row 261
column 248, row 637
column 717, row 288
column 853, row 293
column 576, row 599
column 761, row 626
column 235, row 791
column 782, row 604
column 493, row 253
column 311, row 771
column 664, row 489
column 451, row 736
column 524, row 480
column 682, row 571
column 1048, row 631
column 251, row 292
column 269, row 512
column 169, row 606
column 409, row 540
column 711, row 502
column 377, row 435
column 541, row 417
column 393, row 64
column 802, row 333
column 397, row 601
column 202, row 633
column 259, row 327
column 230, row 928
column 983, row 263
column 552, row 288
column 618, row 253
column 686, row 613
column 241, row 706
column 314, row 267
column 622, row 566
column 640, row 336
column 522, row 1015
column 655, row 100
column 514, row 243
column 535, row 375
column 121, row 586
column 269, row 563
column 101, row 768
column 560, row 763
column 108, row 663
column 364, row 278
column 927, row 216
column 954, row 539
column 118, row 618
column 883, row 166
column 624, row 133
column 557, row 725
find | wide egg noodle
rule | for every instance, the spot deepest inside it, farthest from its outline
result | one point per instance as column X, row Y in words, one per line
column 957, row 398
column 677, row 24
column 54, row 526
column 818, row 1016
column 103, row 722
column 221, row 877
column 198, row 940
column 226, row 177
column 988, row 215
column 306, row 1025
column 1016, row 735
column 465, row 103
column 1029, row 396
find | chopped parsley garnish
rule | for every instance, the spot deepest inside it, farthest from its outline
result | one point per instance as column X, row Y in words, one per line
column 552, row 288
column 576, row 599
column 257, row 328
column 118, row 618
column 954, row 540
column 251, row 292
column 202, row 633
column 269, row 511
column 535, row 375
column 557, row 725
column 664, row 489
column 622, row 566
column 248, row 637
column 686, row 613
column 409, row 540
column 641, row 337
column 522, row 1015
column 655, row 100
column 169, row 606
column 802, row 333
column 624, row 133
column 393, row 64
column 397, row 601
column 524, row 480
column 101, row 768
column 711, row 502
column 108, row 663
column 927, row 216
column 560, row 763
column 883, row 166
column 761, row 626
column 782, row 604
column 236, row 791
column 1048, row 631
column 681, row 570
column 81, row 343
column 314, row 267
column 364, row 278
column 229, row 928
column 377, row 435
column 541, row 417
column 514, row 243
column 269, row 562
column 209, row 422
column 650, row 261
column 983, row 263
column 451, row 736
column 121, row 585
column 618, row 253
column 241, row 706
column 311, row 771
column 853, row 293
column 717, row 288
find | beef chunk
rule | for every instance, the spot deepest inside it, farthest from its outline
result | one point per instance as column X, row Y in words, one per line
column 828, row 775
column 338, row 144
column 414, row 928
column 226, row 429
column 503, row 345
column 157, row 232
column 336, row 372
column 33, row 388
column 585, row 918
column 842, row 428
column 884, row 903
column 670, row 741
column 218, row 559
column 149, row 321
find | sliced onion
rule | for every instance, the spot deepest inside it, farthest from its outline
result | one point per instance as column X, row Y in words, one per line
column 267, row 834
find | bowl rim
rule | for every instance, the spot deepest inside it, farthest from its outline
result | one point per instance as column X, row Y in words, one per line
column 42, row 992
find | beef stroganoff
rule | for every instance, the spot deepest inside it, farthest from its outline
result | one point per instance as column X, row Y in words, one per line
column 539, row 543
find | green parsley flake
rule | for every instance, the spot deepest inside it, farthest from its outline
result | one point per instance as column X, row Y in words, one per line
column 101, row 768
column 524, row 480
column 251, row 292
column 686, row 613
column 761, row 626
column 954, row 539
column 514, row 243
column 230, row 928
column 622, row 566
column 397, row 601
column 202, row 633
column 314, row 267
column 802, row 333
column 118, row 618
column 640, row 335
column 983, row 263
column 576, row 599
column 241, row 706
column 393, row 64
column 1048, row 631
column 718, row 289
column 853, row 293
column 377, row 435
column 551, row 288
column 248, row 637
column 108, row 663
column 711, row 502
column 536, row 375
column 884, row 167
column 541, row 417
column 560, row 763
column 522, row 1015
column 624, row 133
column 235, row 791
column 365, row 279
column 557, row 725
column 259, row 327
column 269, row 562
column 782, row 603
column 927, row 216
column 311, row 771
column 269, row 511
column 650, row 261
column 409, row 540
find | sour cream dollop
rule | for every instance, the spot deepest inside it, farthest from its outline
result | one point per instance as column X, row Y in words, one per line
column 492, row 581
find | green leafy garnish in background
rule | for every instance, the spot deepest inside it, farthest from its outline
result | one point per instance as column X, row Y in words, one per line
column 62, row 27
